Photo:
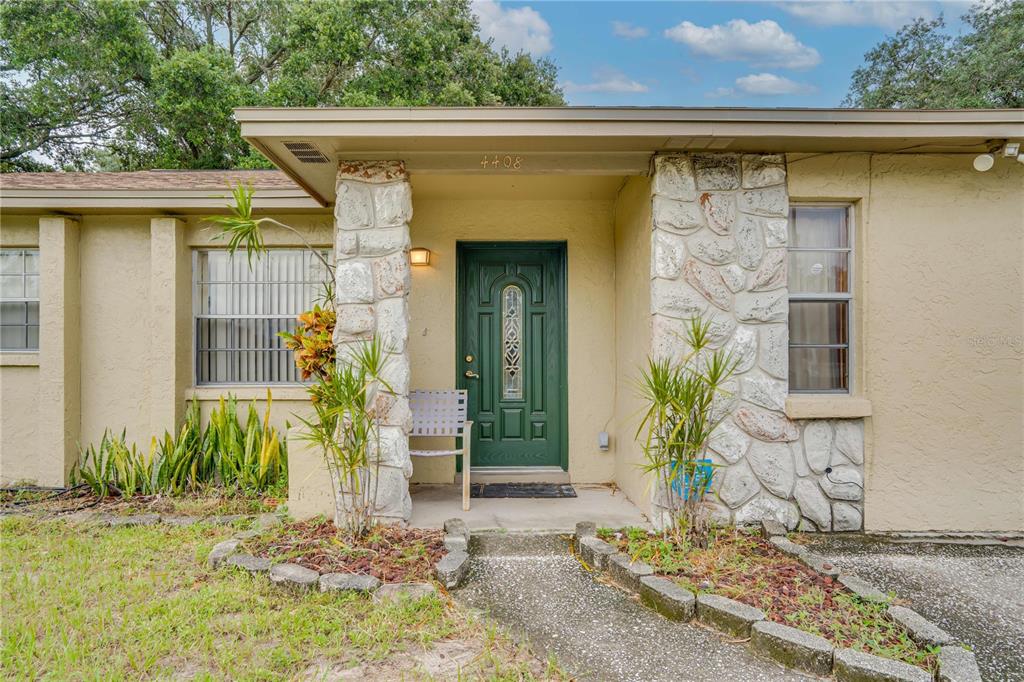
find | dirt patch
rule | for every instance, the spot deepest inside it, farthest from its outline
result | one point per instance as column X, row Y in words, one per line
column 81, row 501
column 745, row 567
column 390, row 553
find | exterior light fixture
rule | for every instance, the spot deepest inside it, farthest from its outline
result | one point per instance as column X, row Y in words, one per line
column 1011, row 149
column 983, row 162
column 419, row 256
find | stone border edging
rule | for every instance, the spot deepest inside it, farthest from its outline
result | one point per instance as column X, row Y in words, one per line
column 449, row 569
column 786, row 645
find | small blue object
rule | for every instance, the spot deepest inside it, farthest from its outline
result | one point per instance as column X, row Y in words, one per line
column 700, row 480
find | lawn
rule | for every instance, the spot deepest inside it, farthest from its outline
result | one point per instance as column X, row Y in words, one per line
column 743, row 566
column 81, row 601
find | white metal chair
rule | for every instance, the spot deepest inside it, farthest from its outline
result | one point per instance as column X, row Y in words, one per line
column 442, row 414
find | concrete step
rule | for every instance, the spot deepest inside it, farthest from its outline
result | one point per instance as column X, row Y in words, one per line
column 511, row 544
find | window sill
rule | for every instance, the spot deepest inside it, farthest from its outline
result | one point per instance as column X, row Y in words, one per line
column 14, row 359
column 241, row 392
column 827, row 407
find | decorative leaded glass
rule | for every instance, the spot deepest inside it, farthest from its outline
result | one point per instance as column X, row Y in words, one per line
column 512, row 343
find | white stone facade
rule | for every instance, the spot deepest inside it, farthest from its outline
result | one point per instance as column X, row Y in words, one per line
column 372, row 278
column 718, row 249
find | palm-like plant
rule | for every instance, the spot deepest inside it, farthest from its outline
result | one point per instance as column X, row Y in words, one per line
column 678, row 423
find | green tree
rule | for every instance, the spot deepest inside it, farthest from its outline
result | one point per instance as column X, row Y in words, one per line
column 923, row 67
column 120, row 84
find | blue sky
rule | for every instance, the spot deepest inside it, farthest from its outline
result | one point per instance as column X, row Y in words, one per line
column 759, row 54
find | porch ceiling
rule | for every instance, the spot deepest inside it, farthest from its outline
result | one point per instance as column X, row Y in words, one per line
column 594, row 140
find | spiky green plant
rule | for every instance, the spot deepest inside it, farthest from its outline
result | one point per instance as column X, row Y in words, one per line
column 677, row 424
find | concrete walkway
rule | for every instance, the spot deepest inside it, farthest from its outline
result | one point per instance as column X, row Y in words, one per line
column 533, row 586
column 432, row 504
column 976, row 593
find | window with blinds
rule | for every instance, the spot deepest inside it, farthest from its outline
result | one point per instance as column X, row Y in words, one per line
column 239, row 311
column 820, row 298
column 19, row 300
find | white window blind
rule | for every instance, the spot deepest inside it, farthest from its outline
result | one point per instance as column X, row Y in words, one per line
column 240, row 310
column 820, row 298
column 19, row 300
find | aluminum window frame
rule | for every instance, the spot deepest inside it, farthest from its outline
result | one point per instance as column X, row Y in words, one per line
column 197, row 284
column 847, row 296
column 23, row 251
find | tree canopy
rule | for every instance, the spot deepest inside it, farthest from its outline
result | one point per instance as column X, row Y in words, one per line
column 127, row 85
column 923, row 67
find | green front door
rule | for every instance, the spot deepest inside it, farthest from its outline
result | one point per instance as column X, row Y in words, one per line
column 511, row 351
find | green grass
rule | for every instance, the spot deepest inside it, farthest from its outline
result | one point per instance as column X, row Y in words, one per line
column 88, row 602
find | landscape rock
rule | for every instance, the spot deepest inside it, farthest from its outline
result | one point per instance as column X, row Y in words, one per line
column 248, row 562
column 404, row 590
column 456, row 526
column 850, row 665
column 294, row 577
column 864, row 590
column 455, row 543
column 268, row 521
column 330, row 582
column 819, row 564
column 727, row 615
column 667, row 597
column 957, row 664
column 921, row 630
column 793, row 648
column 221, row 551
column 451, row 569
column 772, row 529
column 595, row 552
column 179, row 520
column 788, row 547
column 627, row 573
column 133, row 520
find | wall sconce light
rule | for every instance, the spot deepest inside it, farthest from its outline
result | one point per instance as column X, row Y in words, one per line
column 419, row 256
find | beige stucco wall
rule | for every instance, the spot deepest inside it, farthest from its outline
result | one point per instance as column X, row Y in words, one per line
column 19, row 381
column 940, row 303
column 115, row 345
column 632, row 331
column 448, row 209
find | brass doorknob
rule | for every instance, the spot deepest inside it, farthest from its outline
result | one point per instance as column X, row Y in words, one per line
column 470, row 374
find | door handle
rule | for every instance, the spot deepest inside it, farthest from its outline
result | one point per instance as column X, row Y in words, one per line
column 470, row 374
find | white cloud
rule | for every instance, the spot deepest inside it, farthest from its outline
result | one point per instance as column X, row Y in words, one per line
column 624, row 29
column 763, row 43
column 608, row 81
column 888, row 15
column 762, row 85
column 521, row 29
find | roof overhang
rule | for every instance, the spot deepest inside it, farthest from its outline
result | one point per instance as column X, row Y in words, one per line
column 135, row 201
column 595, row 140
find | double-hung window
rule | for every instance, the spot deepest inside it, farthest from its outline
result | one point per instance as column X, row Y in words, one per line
column 19, row 300
column 820, row 298
column 239, row 311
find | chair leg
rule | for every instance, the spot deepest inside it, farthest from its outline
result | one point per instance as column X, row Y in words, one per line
column 467, row 441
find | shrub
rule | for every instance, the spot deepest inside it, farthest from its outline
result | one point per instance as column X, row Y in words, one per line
column 246, row 456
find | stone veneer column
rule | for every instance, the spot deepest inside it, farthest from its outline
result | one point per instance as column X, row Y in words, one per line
column 372, row 213
column 720, row 225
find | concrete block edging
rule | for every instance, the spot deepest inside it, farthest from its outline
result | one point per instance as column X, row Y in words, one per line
column 786, row 645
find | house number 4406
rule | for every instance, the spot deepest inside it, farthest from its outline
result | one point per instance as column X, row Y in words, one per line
column 505, row 162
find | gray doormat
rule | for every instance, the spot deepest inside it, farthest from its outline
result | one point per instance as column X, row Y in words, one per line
column 495, row 490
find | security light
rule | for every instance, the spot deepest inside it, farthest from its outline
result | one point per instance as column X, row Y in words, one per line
column 983, row 162
column 1011, row 149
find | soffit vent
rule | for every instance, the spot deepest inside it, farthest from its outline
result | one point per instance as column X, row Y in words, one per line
column 306, row 152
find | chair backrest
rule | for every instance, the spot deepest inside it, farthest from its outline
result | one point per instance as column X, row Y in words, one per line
column 437, row 413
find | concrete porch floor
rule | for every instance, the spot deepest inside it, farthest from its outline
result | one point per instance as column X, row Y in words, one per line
column 432, row 504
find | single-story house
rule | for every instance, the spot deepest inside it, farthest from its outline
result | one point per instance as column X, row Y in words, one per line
column 864, row 272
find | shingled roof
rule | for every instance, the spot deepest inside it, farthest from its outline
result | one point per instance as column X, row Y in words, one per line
column 149, row 180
